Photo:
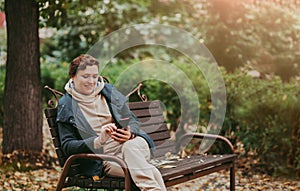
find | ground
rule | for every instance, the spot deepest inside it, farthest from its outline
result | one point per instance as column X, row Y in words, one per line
column 46, row 179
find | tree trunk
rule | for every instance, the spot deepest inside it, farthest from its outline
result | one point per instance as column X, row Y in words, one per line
column 23, row 119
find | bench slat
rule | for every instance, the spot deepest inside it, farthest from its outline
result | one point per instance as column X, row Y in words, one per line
column 162, row 151
column 54, row 131
column 155, row 128
column 152, row 120
column 194, row 164
column 52, row 121
column 163, row 147
column 50, row 112
column 159, row 136
column 141, row 105
column 56, row 141
column 147, row 112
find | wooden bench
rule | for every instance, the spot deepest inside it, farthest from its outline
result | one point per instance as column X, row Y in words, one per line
column 153, row 122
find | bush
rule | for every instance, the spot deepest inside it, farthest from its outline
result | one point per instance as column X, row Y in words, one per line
column 158, row 85
column 54, row 75
column 265, row 116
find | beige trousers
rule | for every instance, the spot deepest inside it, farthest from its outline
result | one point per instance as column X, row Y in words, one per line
column 136, row 154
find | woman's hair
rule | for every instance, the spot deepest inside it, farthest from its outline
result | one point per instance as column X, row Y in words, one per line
column 80, row 63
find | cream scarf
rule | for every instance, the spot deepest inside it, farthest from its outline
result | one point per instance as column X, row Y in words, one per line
column 93, row 106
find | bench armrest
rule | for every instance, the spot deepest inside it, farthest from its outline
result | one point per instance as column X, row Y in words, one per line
column 95, row 157
column 202, row 136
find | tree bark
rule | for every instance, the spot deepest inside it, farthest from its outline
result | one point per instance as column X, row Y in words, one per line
column 23, row 118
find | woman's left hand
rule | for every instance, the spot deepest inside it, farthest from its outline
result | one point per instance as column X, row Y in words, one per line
column 121, row 135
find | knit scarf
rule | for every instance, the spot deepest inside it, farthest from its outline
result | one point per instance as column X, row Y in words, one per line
column 94, row 106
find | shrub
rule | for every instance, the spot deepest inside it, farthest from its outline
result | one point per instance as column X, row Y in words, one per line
column 158, row 84
column 55, row 75
column 265, row 116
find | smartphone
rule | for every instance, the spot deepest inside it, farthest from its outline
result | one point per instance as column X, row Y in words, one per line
column 123, row 123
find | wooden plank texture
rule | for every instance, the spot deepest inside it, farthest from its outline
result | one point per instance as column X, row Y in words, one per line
column 152, row 120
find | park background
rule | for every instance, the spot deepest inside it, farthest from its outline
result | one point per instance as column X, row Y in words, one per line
column 255, row 43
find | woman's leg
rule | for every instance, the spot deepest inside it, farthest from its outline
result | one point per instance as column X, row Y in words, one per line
column 136, row 154
column 111, row 168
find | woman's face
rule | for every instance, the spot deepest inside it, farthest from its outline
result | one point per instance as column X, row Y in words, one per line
column 85, row 80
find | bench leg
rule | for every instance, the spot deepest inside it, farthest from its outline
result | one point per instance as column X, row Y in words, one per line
column 61, row 181
column 232, row 177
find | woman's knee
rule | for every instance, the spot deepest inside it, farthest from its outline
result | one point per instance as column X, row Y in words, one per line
column 136, row 143
column 136, row 146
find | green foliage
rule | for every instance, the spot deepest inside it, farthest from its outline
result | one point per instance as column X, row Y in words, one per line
column 265, row 116
column 3, row 37
column 54, row 75
column 52, row 12
column 260, row 37
column 2, row 41
column 1, row 5
column 173, row 91
column 82, row 23
column 2, row 83
column 2, row 69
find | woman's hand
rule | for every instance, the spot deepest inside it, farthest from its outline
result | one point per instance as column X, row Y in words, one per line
column 121, row 135
column 107, row 131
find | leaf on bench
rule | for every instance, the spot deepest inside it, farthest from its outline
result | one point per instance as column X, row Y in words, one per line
column 167, row 166
column 166, row 161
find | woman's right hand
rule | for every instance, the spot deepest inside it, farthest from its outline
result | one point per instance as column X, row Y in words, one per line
column 106, row 132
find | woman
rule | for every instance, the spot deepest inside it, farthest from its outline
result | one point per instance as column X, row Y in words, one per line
column 88, row 116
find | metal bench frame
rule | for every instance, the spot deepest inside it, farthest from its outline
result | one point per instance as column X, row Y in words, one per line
column 152, row 119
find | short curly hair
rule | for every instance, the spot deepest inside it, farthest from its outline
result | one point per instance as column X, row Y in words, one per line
column 80, row 63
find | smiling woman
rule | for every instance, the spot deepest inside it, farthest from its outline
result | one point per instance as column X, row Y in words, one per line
column 84, row 73
column 87, row 118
